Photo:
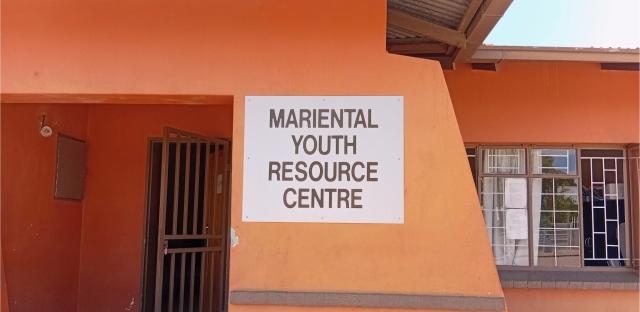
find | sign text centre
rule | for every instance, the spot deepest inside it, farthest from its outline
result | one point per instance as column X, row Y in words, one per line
column 313, row 159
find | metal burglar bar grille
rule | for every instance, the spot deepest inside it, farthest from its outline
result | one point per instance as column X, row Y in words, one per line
column 604, row 213
column 190, row 269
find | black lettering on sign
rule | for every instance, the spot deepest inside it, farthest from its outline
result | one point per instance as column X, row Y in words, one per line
column 311, row 198
column 274, row 169
column 357, row 171
column 322, row 118
column 276, row 120
column 323, row 145
column 287, row 203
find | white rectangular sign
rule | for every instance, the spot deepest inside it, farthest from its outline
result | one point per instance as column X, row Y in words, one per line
column 515, row 193
column 335, row 159
column 516, row 220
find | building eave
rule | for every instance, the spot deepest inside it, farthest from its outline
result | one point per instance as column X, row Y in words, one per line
column 494, row 54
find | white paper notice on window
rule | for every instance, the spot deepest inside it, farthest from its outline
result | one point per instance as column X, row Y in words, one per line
column 515, row 193
column 516, row 220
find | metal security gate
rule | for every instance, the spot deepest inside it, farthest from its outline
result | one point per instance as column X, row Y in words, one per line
column 192, row 225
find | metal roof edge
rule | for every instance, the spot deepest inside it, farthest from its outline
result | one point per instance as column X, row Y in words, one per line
column 488, row 54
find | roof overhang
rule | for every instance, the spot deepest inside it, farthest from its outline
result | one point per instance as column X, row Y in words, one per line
column 448, row 31
column 495, row 54
column 452, row 31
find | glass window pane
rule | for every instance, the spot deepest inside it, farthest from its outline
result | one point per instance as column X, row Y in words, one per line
column 493, row 218
column 566, row 220
column 547, row 186
column 609, row 163
column 544, row 256
column 507, row 227
column 568, row 256
column 496, row 236
column 503, row 161
column 555, row 222
column 517, row 255
column 471, row 156
column 597, row 171
column 546, row 238
column 494, row 194
column 546, row 220
column 547, row 202
column 490, row 185
column 601, row 153
column 553, row 161
column 567, row 237
column 620, row 171
column 600, row 246
column 557, row 256
column 472, row 166
column 597, row 190
column 566, row 203
column 566, row 186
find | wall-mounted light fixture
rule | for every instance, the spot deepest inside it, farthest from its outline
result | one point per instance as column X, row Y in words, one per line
column 45, row 130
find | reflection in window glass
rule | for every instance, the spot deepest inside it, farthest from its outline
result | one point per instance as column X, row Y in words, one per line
column 506, row 226
column 553, row 161
column 556, row 227
column 504, row 160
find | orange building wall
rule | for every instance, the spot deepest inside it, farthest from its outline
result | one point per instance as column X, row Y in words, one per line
column 546, row 102
column 563, row 300
column 550, row 102
column 113, row 221
column 40, row 235
column 272, row 48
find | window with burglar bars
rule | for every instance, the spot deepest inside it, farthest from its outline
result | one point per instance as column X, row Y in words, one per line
column 604, row 208
column 553, row 207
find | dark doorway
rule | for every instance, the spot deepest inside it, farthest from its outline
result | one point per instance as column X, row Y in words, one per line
column 186, row 245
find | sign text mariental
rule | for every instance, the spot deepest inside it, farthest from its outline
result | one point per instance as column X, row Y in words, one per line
column 332, row 159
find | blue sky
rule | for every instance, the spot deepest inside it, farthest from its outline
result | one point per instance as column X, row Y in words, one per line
column 569, row 23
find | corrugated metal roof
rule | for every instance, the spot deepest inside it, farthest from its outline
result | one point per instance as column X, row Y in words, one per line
column 447, row 13
column 394, row 32
column 448, row 31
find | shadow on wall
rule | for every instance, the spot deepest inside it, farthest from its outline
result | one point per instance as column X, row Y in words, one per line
column 56, row 250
